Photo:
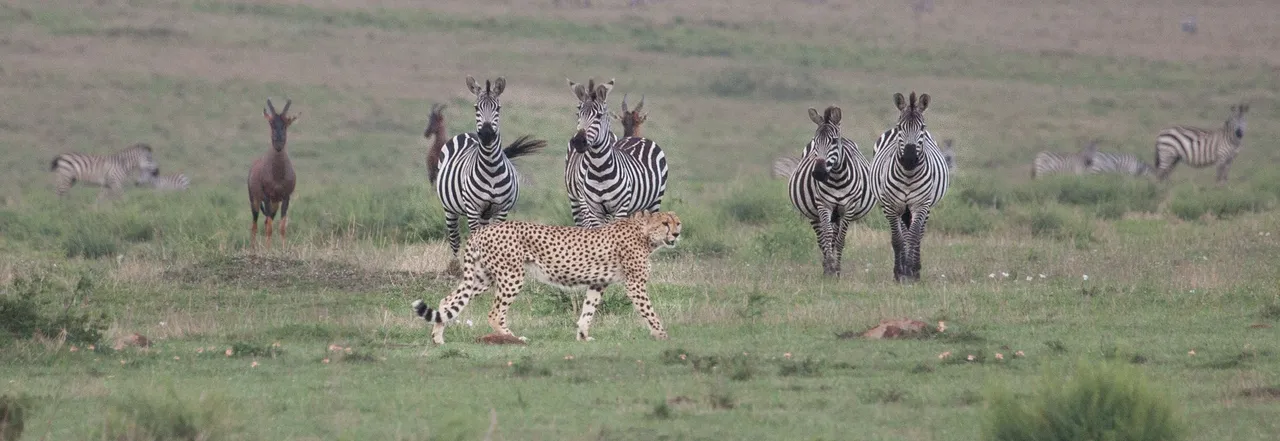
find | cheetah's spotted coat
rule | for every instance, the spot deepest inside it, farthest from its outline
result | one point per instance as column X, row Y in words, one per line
column 567, row 257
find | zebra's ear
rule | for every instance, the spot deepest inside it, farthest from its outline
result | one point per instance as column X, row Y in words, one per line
column 499, row 85
column 602, row 91
column 924, row 102
column 472, row 86
column 832, row 115
column 814, row 116
column 900, row 101
column 579, row 90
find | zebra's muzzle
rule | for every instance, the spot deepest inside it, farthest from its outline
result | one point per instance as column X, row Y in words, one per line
column 820, row 172
column 487, row 134
column 579, row 141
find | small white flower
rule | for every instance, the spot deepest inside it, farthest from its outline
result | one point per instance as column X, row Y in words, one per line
column 991, row 276
column 1028, row 278
column 162, row 323
column 1086, row 277
column 1004, row 274
column 1042, row 276
column 944, row 276
column 470, row 324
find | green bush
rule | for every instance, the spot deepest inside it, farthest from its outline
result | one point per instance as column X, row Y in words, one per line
column 155, row 417
column 29, row 309
column 1221, row 202
column 90, row 243
column 960, row 218
column 12, row 416
column 1099, row 402
column 1060, row 223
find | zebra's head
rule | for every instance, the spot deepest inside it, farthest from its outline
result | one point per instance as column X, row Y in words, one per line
column 593, row 120
column 1235, row 124
column 911, row 128
column 435, row 121
column 139, row 155
column 1088, row 154
column 632, row 119
column 279, row 123
column 487, row 107
column 826, row 142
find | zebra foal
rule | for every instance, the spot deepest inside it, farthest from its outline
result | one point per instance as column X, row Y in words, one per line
column 475, row 177
column 107, row 171
column 1049, row 163
column 609, row 177
column 176, row 182
column 831, row 186
column 1201, row 148
column 911, row 176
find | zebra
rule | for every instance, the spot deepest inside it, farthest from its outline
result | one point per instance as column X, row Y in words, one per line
column 167, row 182
column 1118, row 163
column 609, row 177
column 831, row 186
column 476, row 178
column 107, row 171
column 948, row 155
column 1201, row 148
column 911, row 175
column 1047, row 163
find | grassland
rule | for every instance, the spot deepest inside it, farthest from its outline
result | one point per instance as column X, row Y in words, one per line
column 1178, row 278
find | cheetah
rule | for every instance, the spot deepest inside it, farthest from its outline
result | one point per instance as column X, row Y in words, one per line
column 567, row 257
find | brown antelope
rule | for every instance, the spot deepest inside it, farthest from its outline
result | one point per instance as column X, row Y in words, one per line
column 435, row 127
column 631, row 119
column 271, row 178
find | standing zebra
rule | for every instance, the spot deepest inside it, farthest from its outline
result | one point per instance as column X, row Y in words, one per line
column 831, row 186
column 107, row 171
column 911, row 176
column 1201, row 148
column 1047, row 163
column 167, row 182
column 475, row 176
column 609, row 177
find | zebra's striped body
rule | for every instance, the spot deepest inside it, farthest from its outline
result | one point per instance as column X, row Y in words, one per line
column 607, row 177
column 911, row 176
column 1118, row 163
column 1201, row 148
column 831, row 186
column 168, row 182
column 1050, row 163
column 476, row 178
column 110, row 172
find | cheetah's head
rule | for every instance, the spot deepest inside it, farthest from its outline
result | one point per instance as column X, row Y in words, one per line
column 663, row 228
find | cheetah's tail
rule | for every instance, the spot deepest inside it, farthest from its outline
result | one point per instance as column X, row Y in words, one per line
column 426, row 313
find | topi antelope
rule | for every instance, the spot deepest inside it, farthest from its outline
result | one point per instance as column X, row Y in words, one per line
column 271, row 178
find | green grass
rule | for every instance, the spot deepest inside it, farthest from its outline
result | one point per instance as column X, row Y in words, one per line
column 1173, row 280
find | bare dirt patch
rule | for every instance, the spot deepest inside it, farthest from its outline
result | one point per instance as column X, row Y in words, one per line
column 292, row 273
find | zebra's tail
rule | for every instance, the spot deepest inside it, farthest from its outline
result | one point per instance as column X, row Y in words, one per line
column 784, row 166
column 524, row 146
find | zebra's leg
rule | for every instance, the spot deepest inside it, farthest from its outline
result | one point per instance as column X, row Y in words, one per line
column 822, row 226
column 841, row 229
column 284, row 219
column 510, row 279
column 451, row 225
column 915, row 235
column 589, row 304
column 1224, row 167
column 896, row 230
column 1164, row 164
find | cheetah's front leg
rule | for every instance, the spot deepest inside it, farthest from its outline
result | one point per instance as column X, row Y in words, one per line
column 509, row 281
column 640, row 300
column 589, row 304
